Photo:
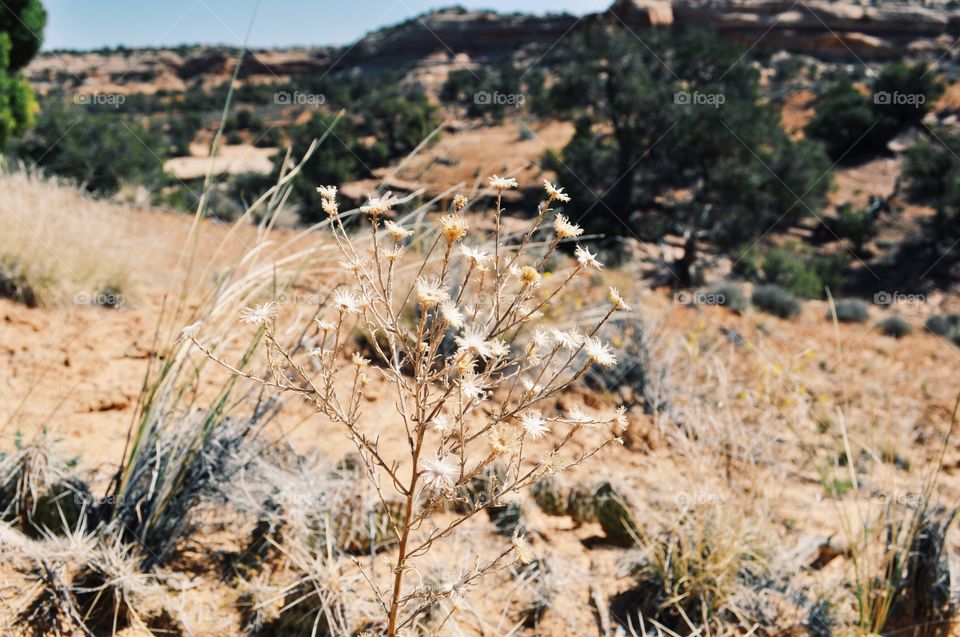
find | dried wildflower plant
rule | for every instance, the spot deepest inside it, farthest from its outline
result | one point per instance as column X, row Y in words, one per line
column 471, row 374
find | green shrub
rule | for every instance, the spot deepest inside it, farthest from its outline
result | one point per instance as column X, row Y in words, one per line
column 945, row 325
column 728, row 295
column 895, row 326
column 795, row 267
column 775, row 300
column 850, row 311
column 856, row 225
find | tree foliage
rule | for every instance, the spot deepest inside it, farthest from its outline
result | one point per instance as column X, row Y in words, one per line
column 21, row 34
column 671, row 135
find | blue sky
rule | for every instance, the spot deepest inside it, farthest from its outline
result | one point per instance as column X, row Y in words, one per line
column 84, row 24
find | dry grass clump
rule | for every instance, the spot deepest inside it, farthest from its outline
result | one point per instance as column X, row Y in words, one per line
column 690, row 573
column 84, row 585
column 38, row 491
column 470, row 368
column 60, row 246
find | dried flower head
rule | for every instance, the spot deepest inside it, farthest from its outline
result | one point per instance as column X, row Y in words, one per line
column 454, row 228
column 190, row 332
column 503, row 183
column 570, row 340
column 599, row 353
column 439, row 473
column 452, row 314
column 260, row 315
column 431, row 292
column 587, row 259
column 331, row 207
column 379, row 206
column 397, row 232
column 503, row 441
column 474, row 340
column 460, row 202
column 325, row 326
column 617, row 300
column 565, row 229
column 345, row 301
column 529, row 275
column 525, row 554
column 620, row 418
column 441, row 424
column 327, row 192
column 554, row 193
column 359, row 361
column 477, row 258
column 534, row 424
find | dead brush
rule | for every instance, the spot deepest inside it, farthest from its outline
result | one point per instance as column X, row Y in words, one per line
column 689, row 573
column 38, row 490
column 87, row 585
column 487, row 302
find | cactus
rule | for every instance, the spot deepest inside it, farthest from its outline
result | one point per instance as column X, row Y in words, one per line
column 581, row 505
column 549, row 496
column 615, row 516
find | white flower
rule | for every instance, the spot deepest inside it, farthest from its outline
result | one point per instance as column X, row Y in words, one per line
column 471, row 387
column 377, row 206
column 534, row 424
column 396, row 231
column 452, row 314
column 473, row 340
column 576, row 416
column 331, row 207
column 525, row 554
column 617, row 300
column 587, row 259
column 438, row 473
column 565, row 229
column 345, row 301
column 477, row 258
column 600, row 353
column 260, row 315
column 190, row 332
column 554, row 193
column 502, row 183
column 620, row 418
column 359, row 361
column 327, row 192
column 441, row 424
column 541, row 338
column 431, row 292
column 568, row 340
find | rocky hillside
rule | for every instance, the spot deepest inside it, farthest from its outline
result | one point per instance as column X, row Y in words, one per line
column 834, row 30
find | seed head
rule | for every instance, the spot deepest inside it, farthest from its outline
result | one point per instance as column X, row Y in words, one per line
column 431, row 292
column 260, row 315
column 617, row 300
column 190, row 332
column 525, row 554
column 378, row 206
column 454, row 228
column 529, row 275
column 534, row 424
column 565, row 229
column 587, row 259
column 327, row 192
column 359, row 361
column 620, row 418
column 452, row 314
column 396, row 231
column 345, row 301
column 438, row 473
column 459, row 203
column 477, row 258
column 503, row 183
column 554, row 193
column 599, row 353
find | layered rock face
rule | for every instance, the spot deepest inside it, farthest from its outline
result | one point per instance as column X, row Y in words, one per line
column 827, row 29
